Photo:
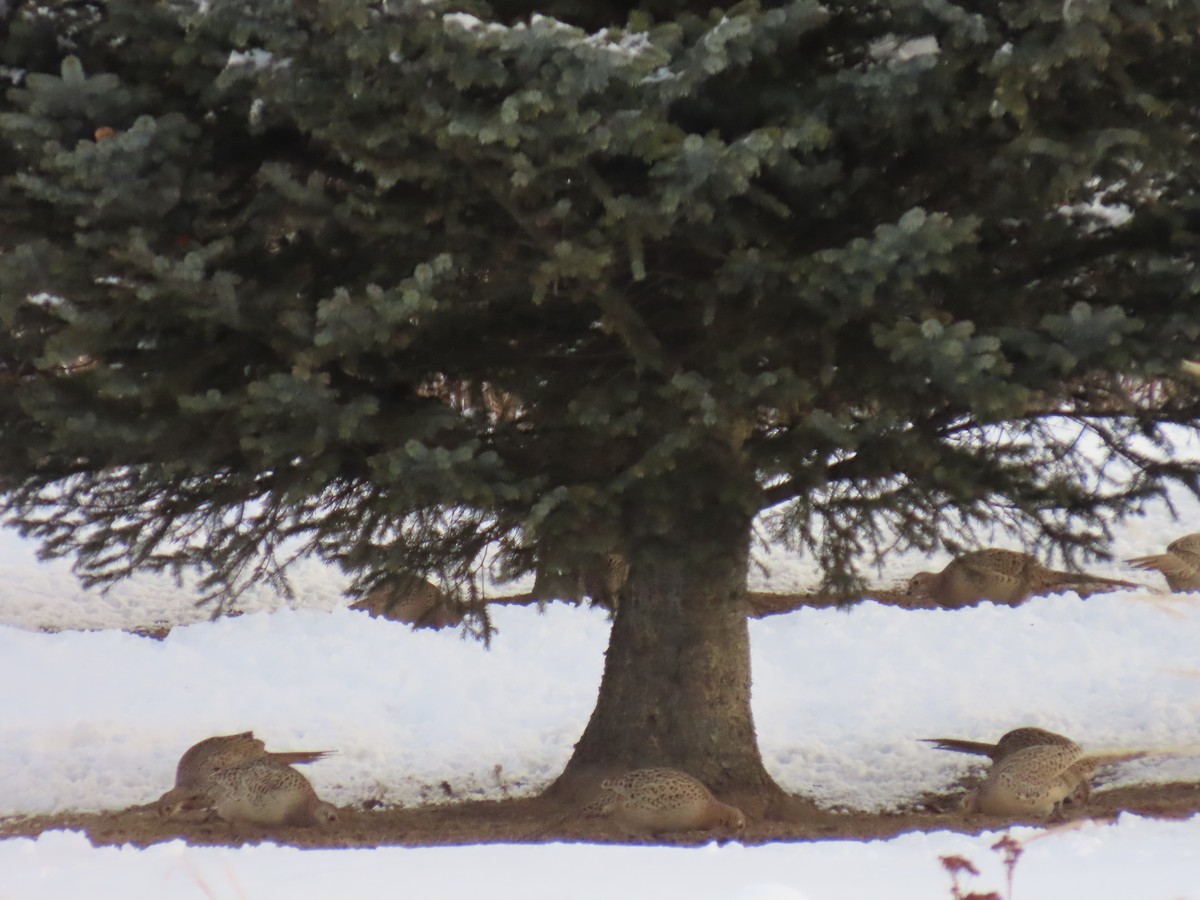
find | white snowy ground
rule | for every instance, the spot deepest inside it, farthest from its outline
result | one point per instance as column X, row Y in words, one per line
column 97, row 719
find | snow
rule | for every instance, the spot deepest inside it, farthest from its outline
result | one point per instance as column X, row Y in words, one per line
column 468, row 22
column 615, row 42
column 96, row 719
column 893, row 49
column 408, row 710
column 256, row 58
column 1137, row 858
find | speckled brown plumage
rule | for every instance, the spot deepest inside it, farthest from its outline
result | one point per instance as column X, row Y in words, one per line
column 1180, row 565
column 408, row 598
column 265, row 792
column 1010, row 742
column 603, row 580
column 1033, row 782
column 599, row 577
column 210, row 755
column 662, row 800
column 1001, row 576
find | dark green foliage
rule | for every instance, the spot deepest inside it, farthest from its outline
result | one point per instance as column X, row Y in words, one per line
column 399, row 280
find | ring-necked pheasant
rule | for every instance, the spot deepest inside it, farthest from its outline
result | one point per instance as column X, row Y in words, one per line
column 1002, row 576
column 201, row 760
column 657, row 800
column 1180, row 565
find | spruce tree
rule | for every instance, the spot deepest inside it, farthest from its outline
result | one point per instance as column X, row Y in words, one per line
column 418, row 285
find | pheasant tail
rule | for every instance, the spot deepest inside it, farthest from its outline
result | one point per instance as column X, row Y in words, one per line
column 295, row 757
column 957, row 745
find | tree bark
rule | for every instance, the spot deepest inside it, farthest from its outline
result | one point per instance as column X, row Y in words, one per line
column 676, row 684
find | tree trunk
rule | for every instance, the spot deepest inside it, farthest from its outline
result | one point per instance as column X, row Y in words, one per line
column 676, row 685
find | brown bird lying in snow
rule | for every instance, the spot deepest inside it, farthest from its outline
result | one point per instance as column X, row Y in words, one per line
column 1010, row 742
column 264, row 792
column 1002, row 576
column 652, row 801
column 1034, row 782
column 200, row 761
column 1180, row 565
